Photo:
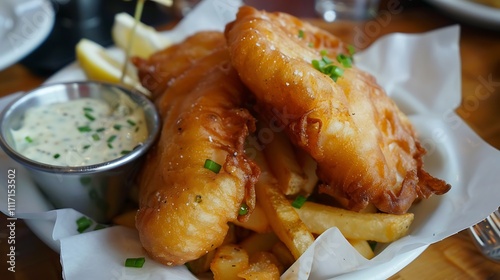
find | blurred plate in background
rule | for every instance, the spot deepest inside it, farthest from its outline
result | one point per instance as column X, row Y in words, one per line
column 24, row 25
column 470, row 12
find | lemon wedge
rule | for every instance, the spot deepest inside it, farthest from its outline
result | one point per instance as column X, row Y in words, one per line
column 146, row 39
column 99, row 65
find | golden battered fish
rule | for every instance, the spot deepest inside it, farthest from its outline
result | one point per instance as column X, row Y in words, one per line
column 366, row 148
column 156, row 75
column 184, row 208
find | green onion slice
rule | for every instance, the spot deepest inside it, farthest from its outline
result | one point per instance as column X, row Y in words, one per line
column 83, row 223
column 345, row 60
column 111, row 138
column 299, row 201
column 117, row 126
column 301, row 34
column 325, row 66
column 56, row 156
column 243, row 209
column 88, row 109
column 351, row 49
column 131, row 122
column 89, row 117
column 124, row 152
column 135, row 262
column 212, row 166
column 96, row 137
column 85, row 128
column 100, row 129
column 28, row 139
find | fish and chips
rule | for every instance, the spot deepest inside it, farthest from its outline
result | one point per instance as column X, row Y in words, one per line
column 336, row 135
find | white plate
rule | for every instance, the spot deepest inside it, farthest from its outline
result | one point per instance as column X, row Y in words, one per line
column 24, row 25
column 471, row 12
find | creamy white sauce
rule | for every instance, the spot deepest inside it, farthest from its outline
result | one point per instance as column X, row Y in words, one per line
column 80, row 132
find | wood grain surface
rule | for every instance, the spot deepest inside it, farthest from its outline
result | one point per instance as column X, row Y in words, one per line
column 452, row 258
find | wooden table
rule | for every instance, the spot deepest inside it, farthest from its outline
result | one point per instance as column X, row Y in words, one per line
column 452, row 258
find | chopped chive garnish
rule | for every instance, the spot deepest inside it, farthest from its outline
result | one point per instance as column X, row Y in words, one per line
column 111, row 138
column 212, row 166
column 88, row 109
column 243, row 209
column 301, row 34
column 117, row 126
column 131, row 122
column 325, row 66
column 110, row 146
column 135, row 262
column 56, row 156
column 100, row 129
column 28, row 139
column 85, row 128
column 124, row 152
column 299, row 201
column 83, row 223
column 89, row 117
column 345, row 60
column 326, row 60
column 96, row 137
column 86, row 147
column 197, row 198
column 323, row 52
column 351, row 50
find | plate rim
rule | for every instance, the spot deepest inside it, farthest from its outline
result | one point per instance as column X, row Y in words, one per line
column 473, row 13
column 12, row 55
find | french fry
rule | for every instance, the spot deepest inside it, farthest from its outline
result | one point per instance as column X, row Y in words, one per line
column 280, row 155
column 285, row 222
column 259, row 242
column 362, row 247
column 202, row 264
column 308, row 165
column 257, row 221
column 262, row 267
column 380, row 227
column 228, row 261
column 126, row 219
column 283, row 254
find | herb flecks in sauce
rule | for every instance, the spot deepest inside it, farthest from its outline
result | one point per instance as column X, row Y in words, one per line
column 79, row 132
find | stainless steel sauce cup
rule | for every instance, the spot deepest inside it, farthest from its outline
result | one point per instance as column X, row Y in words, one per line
column 97, row 190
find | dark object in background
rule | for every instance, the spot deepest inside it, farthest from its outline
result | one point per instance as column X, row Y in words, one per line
column 91, row 19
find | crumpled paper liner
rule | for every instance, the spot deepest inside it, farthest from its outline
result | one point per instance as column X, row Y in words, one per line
column 421, row 72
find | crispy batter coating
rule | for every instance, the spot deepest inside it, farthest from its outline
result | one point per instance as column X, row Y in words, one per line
column 184, row 208
column 156, row 75
column 366, row 148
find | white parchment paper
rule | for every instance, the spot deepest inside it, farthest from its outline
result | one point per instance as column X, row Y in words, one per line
column 420, row 71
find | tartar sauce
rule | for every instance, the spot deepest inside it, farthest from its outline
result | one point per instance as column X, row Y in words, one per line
column 80, row 132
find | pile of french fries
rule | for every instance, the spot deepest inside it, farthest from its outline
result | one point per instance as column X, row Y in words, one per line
column 278, row 233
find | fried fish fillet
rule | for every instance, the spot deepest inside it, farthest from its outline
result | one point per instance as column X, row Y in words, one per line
column 156, row 75
column 366, row 148
column 184, row 208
